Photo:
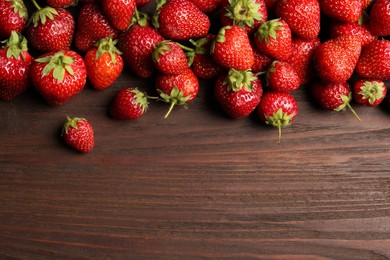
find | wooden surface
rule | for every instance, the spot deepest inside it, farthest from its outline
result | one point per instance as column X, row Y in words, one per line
column 195, row 185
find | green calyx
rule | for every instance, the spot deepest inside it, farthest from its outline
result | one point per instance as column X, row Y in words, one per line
column 43, row 14
column 19, row 8
column 239, row 79
column 161, row 48
column 141, row 99
column 199, row 49
column 268, row 30
column 107, row 45
column 160, row 4
column 220, row 37
column 71, row 122
column 372, row 90
column 139, row 18
column 59, row 63
column 16, row 44
column 243, row 12
column 176, row 97
column 346, row 103
column 279, row 119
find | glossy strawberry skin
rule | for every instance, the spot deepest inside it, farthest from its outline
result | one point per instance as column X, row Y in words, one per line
column 369, row 92
column 119, row 12
column 329, row 96
column 61, row 3
column 127, row 105
column 11, row 20
column 272, row 101
column 169, row 58
column 261, row 61
column 79, row 136
column 337, row 29
column 379, row 23
column 281, row 76
column 208, row 6
column 348, row 11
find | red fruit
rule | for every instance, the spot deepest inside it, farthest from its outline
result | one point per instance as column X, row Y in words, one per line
column 273, row 38
column 366, row 3
column 302, row 16
column 177, row 89
column 92, row 26
column 278, row 109
column 142, row 2
column 58, row 76
column 348, row 11
column 119, row 12
column 238, row 92
column 207, row 6
column 180, row 20
column 169, row 58
column 78, row 134
column 374, row 61
column 15, row 64
column 13, row 17
column 361, row 31
column 129, row 104
column 61, row 3
column 282, row 77
column 232, row 49
column 380, row 18
column 104, row 64
column 51, row 29
column 369, row 92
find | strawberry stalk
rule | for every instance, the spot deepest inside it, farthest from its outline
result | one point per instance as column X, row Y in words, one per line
column 176, row 97
column 36, row 4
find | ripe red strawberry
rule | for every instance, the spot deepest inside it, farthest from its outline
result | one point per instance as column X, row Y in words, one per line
column 180, row 20
column 238, row 92
column 273, row 38
column 119, row 12
column 104, row 63
column 51, row 29
column 58, row 76
column 61, row 3
column 281, row 76
column 232, row 49
column 207, row 6
column 169, row 58
column 15, row 64
column 78, row 133
column 278, row 109
column 337, row 29
column 13, row 17
column 348, row 11
column 177, row 89
column 302, row 16
column 380, row 18
column 369, row 92
column 262, row 61
column 129, row 104
column 374, row 61
column 92, row 26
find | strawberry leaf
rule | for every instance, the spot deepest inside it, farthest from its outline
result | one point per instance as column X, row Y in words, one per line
column 41, row 15
column 19, row 8
column 58, row 63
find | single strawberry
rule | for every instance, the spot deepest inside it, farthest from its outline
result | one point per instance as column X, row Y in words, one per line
column 278, row 109
column 232, row 49
column 13, row 17
column 119, row 12
column 104, row 63
column 208, row 6
column 61, row 3
column 180, row 20
column 262, row 61
column 374, row 61
column 281, row 76
column 348, row 11
column 169, row 58
column 92, row 25
column 58, row 76
column 379, row 24
column 238, row 92
column 302, row 16
column 15, row 63
column 177, row 89
column 337, row 29
column 369, row 92
column 274, row 38
column 129, row 104
column 78, row 133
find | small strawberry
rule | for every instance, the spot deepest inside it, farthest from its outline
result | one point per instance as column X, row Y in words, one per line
column 278, row 109
column 78, row 133
column 61, row 3
column 238, row 92
column 177, row 89
column 13, row 17
column 58, row 76
column 208, row 6
column 348, row 11
column 374, row 61
column 232, row 49
column 337, row 29
column 281, row 76
column 169, row 58
column 119, row 12
column 129, row 104
column 273, row 38
column 104, row 63
column 379, row 24
column 15, row 63
column 369, row 92
column 180, row 20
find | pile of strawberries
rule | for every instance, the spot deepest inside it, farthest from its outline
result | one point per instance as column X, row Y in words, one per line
column 257, row 52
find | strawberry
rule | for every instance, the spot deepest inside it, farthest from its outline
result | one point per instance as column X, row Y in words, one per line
column 177, row 89
column 207, row 6
column 61, row 3
column 92, row 26
column 273, row 38
column 337, row 29
column 232, row 49
column 50, row 29
column 282, row 77
column 180, row 20
column 129, row 104
column 238, row 92
column 169, row 58
column 348, row 11
column 58, row 76
column 119, row 12
column 13, row 17
column 15, row 63
column 302, row 16
column 379, row 24
column 369, row 92
column 142, row 2
column 374, row 61
column 262, row 61
column 78, row 133
column 104, row 63
column 278, row 109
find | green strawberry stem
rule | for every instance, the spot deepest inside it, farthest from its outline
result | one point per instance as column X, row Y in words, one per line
column 185, row 47
column 173, row 103
column 36, row 4
column 353, row 111
column 279, row 132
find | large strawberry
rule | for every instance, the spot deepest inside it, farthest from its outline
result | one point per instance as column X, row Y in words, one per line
column 348, row 11
column 15, row 64
column 369, row 92
column 238, row 92
column 169, row 58
column 129, row 104
column 104, row 63
column 207, row 6
column 13, row 17
column 58, row 76
column 337, row 29
column 232, row 49
column 119, row 12
column 380, row 18
column 78, row 133
column 281, row 76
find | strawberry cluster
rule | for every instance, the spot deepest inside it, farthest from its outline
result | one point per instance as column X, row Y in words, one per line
column 257, row 52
